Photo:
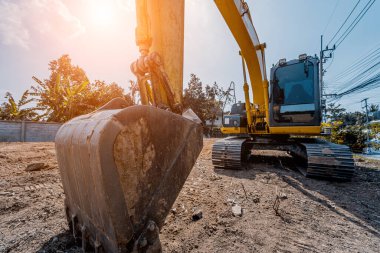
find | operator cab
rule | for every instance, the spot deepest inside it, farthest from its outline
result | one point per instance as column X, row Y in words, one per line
column 294, row 93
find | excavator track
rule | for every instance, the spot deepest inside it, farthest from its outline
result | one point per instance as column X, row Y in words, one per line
column 319, row 158
column 229, row 153
column 328, row 160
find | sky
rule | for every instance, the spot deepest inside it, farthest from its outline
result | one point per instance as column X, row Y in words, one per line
column 99, row 37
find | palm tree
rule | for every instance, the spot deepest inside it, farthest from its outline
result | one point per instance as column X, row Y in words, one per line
column 67, row 92
column 60, row 100
column 12, row 110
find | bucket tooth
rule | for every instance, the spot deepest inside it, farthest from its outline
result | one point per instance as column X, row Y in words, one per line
column 121, row 168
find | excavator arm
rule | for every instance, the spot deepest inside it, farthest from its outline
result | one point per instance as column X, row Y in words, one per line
column 237, row 15
column 160, row 38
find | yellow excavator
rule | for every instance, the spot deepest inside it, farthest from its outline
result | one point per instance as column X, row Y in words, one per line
column 283, row 111
column 123, row 167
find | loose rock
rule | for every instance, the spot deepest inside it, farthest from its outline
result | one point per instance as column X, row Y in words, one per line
column 230, row 201
column 237, row 210
column 36, row 166
column 197, row 215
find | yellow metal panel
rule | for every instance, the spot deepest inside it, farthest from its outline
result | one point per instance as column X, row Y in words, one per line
column 167, row 28
column 246, row 37
column 297, row 130
column 160, row 29
column 233, row 130
column 293, row 130
column 247, row 105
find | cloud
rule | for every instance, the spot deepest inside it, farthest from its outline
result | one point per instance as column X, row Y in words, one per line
column 12, row 30
column 22, row 21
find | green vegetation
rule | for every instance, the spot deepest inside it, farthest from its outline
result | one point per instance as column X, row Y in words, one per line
column 348, row 127
column 66, row 94
column 12, row 110
column 206, row 102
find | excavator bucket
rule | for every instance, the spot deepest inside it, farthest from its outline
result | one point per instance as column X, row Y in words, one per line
column 122, row 170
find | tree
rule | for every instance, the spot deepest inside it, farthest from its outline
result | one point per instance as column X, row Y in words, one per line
column 373, row 108
column 353, row 136
column 12, row 110
column 207, row 103
column 214, row 95
column 61, row 97
column 68, row 93
column 334, row 112
column 100, row 93
column 347, row 127
column 353, row 118
column 195, row 98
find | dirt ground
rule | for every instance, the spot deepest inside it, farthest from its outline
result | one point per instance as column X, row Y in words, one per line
column 313, row 215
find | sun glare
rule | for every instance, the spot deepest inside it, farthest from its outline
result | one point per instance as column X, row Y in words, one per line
column 102, row 12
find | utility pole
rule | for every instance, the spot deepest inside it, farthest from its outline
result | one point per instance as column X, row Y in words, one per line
column 367, row 120
column 323, row 58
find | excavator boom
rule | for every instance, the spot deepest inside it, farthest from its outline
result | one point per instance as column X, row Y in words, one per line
column 238, row 18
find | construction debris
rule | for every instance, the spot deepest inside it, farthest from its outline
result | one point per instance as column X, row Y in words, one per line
column 197, row 215
column 237, row 211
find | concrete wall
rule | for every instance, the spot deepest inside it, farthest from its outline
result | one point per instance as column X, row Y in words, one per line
column 27, row 131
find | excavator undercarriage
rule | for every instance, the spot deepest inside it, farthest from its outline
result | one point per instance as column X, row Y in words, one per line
column 314, row 157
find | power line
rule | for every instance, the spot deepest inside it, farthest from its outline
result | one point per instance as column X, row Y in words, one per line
column 354, row 25
column 359, row 62
column 349, row 15
column 354, row 99
column 363, row 86
column 362, row 75
column 358, row 85
column 332, row 13
column 357, row 70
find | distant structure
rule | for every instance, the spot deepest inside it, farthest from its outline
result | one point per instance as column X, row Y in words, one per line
column 217, row 122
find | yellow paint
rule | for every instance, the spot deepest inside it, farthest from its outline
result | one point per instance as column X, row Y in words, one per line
column 266, row 99
column 292, row 130
column 297, row 130
column 247, row 105
column 233, row 130
column 233, row 18
column 160, row 29
column 239, row 21
column 167, row 28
